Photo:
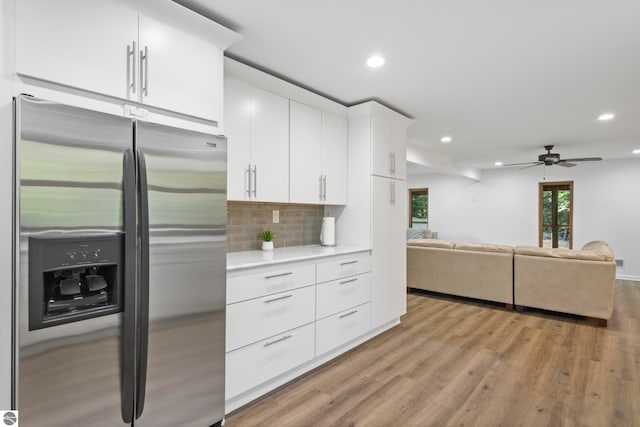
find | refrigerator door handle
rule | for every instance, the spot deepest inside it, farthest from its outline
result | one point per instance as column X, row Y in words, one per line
column 129, row 317
column 144, row 282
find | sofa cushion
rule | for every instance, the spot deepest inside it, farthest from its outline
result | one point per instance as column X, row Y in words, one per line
column 431, row 243
column 560, row 253
column 576, row 254
column 601, row 248
column 484, row 247
column 532, row 251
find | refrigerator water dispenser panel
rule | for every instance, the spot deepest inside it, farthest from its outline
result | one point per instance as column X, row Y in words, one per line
column 74, row 278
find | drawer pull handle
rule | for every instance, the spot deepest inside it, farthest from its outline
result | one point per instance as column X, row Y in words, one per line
column 349, row 262
column 284, row 338
column 348, row 314
column 349, row 281
column 279, row 298
column 278, row 275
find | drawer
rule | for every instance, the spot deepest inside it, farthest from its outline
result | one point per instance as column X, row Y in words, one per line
column 332, row 332
column 269, row 281
column 344, row 266
column 257, row 363
column 260, row 318
column 339, row 295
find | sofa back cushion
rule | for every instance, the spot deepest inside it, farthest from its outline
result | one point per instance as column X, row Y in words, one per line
column 601, row 248
column 532, row 251
column 588, row 255
column 431, row 243
column 484, row 247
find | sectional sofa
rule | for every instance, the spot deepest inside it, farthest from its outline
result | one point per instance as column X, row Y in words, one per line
column 579, row 282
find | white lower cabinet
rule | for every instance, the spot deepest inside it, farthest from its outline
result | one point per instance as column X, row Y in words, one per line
column 343, row 267
column 284, row 319
column 267, row 282
column 341, row 294
column 342, row 327
column 256, row 319
column 250, row 366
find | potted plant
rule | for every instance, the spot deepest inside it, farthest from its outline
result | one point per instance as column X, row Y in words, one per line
column 267, row 240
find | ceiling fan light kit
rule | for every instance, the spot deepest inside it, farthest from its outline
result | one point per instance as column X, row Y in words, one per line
column 550, row 159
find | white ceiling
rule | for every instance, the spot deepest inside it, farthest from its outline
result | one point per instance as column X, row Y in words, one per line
column 502, row 77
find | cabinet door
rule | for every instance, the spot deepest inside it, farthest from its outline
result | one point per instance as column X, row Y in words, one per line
column 399, row 147
column 260, row 362
column 384, row 286
column 82, row 44
column 381, row 146
column 181, row 72
column 270, row 146
column 334, row 158
column 398, row 240
column 237, row 105
column 305, row 185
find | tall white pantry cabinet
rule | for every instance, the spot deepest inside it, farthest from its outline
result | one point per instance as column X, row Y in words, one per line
column 377, row 210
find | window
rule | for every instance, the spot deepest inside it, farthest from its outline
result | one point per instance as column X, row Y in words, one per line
column 556, row 215
column 419, row 208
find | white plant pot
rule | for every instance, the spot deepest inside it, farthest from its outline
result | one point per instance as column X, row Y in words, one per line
column 267, row 246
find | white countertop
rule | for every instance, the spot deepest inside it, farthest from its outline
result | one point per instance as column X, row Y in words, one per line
column 249, row 259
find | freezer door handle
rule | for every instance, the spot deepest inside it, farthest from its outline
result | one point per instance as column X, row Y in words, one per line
column 129, row 317
column 143, row 210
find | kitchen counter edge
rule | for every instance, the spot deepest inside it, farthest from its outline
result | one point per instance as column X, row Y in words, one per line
column 257, row 258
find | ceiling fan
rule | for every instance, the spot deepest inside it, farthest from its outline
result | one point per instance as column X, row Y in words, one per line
column 550, row 159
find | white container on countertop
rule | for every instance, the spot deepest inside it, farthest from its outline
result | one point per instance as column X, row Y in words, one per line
column 328, row 231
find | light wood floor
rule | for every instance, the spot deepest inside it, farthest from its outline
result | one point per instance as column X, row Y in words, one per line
column 465, row 363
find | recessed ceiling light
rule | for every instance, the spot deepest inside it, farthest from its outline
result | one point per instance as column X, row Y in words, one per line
column 636, row 151
column 606, row 116
column 375, row 61
column 445, row 139
column 497, row 164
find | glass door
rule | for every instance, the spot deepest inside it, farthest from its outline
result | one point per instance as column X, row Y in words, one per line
column 556, row 214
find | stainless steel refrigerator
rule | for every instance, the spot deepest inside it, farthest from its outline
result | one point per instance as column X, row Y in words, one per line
column 119, row 271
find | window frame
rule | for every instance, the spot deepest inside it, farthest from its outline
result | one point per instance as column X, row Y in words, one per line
column 541, row 189
column 411, row 193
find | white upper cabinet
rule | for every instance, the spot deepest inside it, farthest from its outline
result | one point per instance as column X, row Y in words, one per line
column 389, row 135
column 257, row 129
column 318, row 149
column 237, row 113
column 178, row 71
column 78, row 43
column 127, row 49
column 305, row 148
column 334, row 158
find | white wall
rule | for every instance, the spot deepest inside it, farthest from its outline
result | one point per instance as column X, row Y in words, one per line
column 503, row 207
column 6, row 161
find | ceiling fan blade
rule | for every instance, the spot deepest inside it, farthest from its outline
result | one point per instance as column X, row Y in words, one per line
column 566, row 164
column 531, row 165
column 520, row 164
column 584, row 159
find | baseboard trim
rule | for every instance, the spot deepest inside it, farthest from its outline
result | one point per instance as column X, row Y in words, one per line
column 244, row 398
column 628, row 277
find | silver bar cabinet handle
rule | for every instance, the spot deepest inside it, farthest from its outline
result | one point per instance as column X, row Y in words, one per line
column 342, row 316
column 344, row 282
column 324, row 186
column 284, row 338
column 144, row 56
column 391, row 193
column 279, row 298
column 248, row 173
column 255, row 180
column 131, row 67
column 349, row 262
column 279, row 275
column 320, row 187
